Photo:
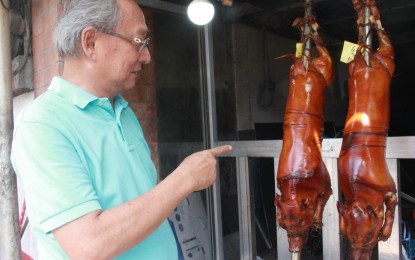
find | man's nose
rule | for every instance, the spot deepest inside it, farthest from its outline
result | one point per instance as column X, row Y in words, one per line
column 145, row 56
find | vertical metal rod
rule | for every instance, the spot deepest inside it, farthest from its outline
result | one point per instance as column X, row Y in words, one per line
column 367, row 33
column 307, row 31
column 210, row 135
column 306, row 60
column 246, row 209
column 296, row 256
column 9, row 229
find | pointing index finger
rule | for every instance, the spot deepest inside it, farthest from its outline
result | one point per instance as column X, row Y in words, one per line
column 221, row 150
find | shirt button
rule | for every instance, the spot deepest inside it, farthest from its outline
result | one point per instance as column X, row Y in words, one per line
column 100, row 103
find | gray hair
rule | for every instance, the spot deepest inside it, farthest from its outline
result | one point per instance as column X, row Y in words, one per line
column 104, row 15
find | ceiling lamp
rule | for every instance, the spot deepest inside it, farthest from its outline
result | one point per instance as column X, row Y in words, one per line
column 200, row 12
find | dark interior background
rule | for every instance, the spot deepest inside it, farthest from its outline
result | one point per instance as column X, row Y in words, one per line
column 337, row 20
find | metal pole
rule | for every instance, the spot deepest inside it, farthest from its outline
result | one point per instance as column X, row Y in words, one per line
column 246, row 209
column 367, row 33
column 295, row 256
column 9, row 229
column 307, row 31
column 210, row 135
column 306, row 59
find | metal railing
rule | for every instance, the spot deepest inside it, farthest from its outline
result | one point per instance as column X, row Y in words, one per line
column 397, row 148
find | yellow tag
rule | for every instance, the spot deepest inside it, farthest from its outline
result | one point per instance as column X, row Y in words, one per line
column 299, row 50
column 349, row 51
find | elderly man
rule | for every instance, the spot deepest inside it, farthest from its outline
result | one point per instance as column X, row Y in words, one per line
column 80, row 152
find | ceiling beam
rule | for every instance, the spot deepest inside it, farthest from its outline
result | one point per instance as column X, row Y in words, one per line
column 293, row 6
column 385, row 12
column 163, row 5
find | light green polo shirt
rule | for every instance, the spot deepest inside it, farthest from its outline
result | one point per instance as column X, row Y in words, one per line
column 75, row 154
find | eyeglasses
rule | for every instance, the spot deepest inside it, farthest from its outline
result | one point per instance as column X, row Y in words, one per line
column 141, row 44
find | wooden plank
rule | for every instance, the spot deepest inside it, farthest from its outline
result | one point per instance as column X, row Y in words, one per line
column 282, row 238
column 331, row 232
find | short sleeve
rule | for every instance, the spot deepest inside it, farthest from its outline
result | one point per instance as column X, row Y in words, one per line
column 57, row 185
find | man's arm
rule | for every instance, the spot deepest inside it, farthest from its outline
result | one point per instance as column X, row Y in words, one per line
column 106, row 234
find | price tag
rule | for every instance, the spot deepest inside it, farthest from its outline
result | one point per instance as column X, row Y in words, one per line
column 299, row 50
column 349, row 51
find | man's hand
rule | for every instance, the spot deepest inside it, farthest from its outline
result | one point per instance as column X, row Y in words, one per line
column 200, row 168
column 106, row 234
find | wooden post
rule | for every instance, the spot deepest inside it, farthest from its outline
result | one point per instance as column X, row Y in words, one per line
column 9, row 229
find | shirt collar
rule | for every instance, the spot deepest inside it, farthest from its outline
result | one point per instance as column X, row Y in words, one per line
column 120, row 101
column 78, row 96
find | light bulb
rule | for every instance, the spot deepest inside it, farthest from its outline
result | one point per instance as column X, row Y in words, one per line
column 200, row 12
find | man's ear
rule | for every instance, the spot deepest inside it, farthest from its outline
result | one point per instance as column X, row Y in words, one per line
column 88, row 38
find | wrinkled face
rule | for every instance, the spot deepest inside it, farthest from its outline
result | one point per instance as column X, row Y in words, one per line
column 296, row 216
column 360, row 225
column 121, row 62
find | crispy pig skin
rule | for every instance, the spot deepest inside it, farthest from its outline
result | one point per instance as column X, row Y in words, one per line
column 302, row 177
column 364, row 177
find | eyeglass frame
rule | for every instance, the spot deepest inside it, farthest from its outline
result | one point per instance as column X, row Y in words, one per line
column 135, row 40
